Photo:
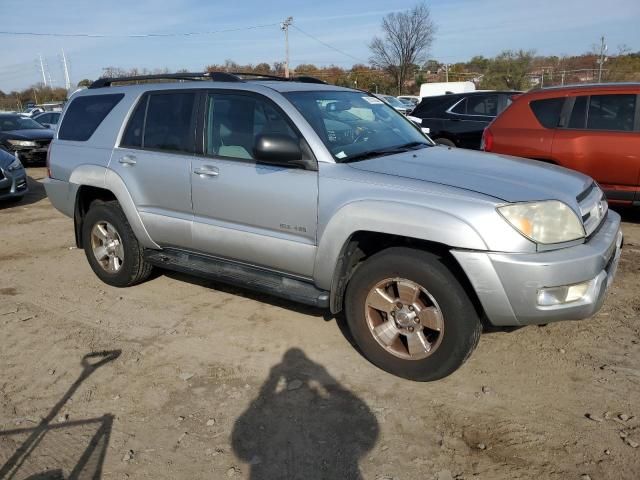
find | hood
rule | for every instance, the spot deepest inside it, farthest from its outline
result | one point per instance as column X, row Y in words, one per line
column 29, row 134
column 506, row 178
column 6, row 158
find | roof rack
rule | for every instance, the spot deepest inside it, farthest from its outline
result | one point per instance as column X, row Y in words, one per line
column 198, row 76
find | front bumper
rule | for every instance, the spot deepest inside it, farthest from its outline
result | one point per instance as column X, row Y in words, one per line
column 31, row 155
column 13, row 184
column 507, row 284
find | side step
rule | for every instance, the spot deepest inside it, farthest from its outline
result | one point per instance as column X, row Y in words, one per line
column 239, row 275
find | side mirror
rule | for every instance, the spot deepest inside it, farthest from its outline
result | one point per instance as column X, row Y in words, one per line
column 278, row 149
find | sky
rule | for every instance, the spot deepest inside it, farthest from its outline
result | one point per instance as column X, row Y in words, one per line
column 251, row 32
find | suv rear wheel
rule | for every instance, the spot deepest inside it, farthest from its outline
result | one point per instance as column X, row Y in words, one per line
column 111, row 247
column 410, row 316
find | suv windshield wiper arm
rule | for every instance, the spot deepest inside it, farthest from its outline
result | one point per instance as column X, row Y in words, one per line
column 385, row 151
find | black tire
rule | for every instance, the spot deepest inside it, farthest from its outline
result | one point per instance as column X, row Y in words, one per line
column 462, row 326
column 445, row 141
column 134, row 268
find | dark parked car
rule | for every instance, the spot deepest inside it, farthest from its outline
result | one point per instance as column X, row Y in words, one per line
column 13, row 179
column 24, row 136
column 458, row 120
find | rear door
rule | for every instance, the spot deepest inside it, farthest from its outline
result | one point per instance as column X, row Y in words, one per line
column 154, row 160
column 246, row 211
column 468, row 118
column 601, row 138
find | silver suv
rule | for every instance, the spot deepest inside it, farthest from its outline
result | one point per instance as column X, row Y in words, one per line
column 327, row 196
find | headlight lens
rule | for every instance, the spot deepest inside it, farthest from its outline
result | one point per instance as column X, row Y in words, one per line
column 544, row 222
column 15, row 165
column 22, row 143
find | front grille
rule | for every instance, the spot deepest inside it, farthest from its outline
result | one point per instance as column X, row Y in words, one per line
column 593, row 208
column 43, row 143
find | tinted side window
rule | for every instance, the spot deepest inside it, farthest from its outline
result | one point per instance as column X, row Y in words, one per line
column 611, row 112
column 483, row 105
column 85, row 114
column 461, row 107
column 579, row 113
column 547, row 111
column 169, row 123
column 133, row 134
column 46, row 118
column 234, row 121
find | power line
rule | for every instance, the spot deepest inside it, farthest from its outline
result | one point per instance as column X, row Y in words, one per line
column 136, row 35
column 327, row 45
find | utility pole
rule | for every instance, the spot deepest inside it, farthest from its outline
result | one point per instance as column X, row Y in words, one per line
column 44, row 78
column 67, row 80
column 285, row 27
column 602, row 59
column 446, row 72
column 48, row 70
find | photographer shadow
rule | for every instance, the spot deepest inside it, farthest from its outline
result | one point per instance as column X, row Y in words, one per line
column 304, row 424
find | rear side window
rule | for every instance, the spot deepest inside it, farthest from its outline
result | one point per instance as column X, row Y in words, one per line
column 133, row 135
column 461, row 107
column 547, row 111
column 85, row 114
column 578, row 113
column 611, row 112
column 483, row 105
column 162, row 121
column 169, row 122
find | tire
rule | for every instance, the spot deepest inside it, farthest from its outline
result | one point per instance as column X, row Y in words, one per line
column 131, row 268
column 445, row 141
column 458, row 322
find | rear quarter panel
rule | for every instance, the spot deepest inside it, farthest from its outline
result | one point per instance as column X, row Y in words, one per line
column 516, row 131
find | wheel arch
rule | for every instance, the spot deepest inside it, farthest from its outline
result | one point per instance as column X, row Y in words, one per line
column 100, row 183
column 361, row 229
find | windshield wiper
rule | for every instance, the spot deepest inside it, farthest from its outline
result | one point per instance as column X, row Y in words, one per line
column 385, row 151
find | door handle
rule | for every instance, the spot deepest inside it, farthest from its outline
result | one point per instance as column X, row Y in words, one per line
column 207, row 171
column 128, row 160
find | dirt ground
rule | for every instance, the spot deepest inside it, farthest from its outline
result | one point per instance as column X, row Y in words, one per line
column 205, row 381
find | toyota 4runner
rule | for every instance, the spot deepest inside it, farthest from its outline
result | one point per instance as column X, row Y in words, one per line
column 329, row 197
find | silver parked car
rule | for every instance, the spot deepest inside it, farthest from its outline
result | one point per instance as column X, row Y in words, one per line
column 327, row 196
column 48, row 119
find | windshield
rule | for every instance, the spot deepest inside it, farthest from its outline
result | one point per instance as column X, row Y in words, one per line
column 16, row 122
column 355, row 125
column 393, row 101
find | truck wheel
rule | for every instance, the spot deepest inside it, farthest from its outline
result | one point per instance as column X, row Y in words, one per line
column 445, row 141
column 111, row 247
column 410, row 316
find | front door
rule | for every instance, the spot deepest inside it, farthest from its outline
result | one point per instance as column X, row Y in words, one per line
column 246, row 211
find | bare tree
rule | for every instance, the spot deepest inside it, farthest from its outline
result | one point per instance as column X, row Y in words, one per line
column 406, row 42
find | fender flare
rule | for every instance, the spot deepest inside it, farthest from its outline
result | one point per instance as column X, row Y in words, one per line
column 407, row 220
column 102, row 177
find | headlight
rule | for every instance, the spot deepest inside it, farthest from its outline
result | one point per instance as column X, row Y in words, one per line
column 15, row 165
column 544, row 222
column 22, row 143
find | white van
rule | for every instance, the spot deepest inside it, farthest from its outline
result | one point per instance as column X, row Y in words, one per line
column 442, row 88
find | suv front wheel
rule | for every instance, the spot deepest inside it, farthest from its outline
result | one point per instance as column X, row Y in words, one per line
column 410, row 316
column 111, row 247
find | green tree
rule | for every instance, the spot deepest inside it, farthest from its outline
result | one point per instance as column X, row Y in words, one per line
column 85, row 82
column 509, row 70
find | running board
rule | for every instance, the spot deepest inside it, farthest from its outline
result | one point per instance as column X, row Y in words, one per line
column 239, row 275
